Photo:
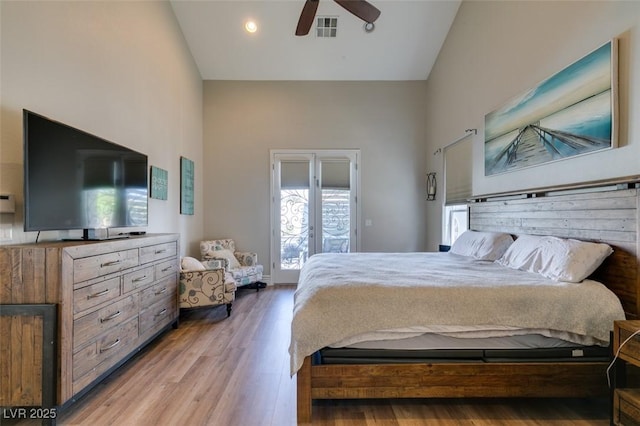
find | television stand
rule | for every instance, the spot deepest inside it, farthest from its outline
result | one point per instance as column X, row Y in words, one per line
column 121, row 291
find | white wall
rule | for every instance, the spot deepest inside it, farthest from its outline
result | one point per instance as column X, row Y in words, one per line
column 385, row 120
column 496, row 50
column 119, row 70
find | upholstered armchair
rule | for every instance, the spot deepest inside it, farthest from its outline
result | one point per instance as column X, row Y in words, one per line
column 200, row 286
column 243, row 266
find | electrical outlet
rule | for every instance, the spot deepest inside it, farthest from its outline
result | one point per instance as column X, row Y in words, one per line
column 6, row 232
column 6, row 227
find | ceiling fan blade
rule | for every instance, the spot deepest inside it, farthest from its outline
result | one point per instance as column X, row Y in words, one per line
column 361, row 8
column 307, row 16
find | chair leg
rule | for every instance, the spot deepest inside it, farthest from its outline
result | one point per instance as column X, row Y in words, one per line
column 228, row 310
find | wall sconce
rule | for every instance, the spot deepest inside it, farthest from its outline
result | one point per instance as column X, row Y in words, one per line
column 431, row 186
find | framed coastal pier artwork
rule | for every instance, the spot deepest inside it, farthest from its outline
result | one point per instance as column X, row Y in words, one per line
column 571, row 113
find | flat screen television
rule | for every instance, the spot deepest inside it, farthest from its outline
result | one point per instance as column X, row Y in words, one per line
column 75, row 180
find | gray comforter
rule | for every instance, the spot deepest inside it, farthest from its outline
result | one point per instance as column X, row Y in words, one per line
column 347, row 294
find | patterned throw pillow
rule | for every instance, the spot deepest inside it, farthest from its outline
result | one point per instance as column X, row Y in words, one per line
column 228, row 255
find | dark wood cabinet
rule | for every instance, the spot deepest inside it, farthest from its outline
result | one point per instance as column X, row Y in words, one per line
column 626, row 400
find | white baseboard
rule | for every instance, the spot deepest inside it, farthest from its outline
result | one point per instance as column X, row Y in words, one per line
column 267, row 279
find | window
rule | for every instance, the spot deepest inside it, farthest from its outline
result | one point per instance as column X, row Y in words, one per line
column 457, row 168
column 456, row 221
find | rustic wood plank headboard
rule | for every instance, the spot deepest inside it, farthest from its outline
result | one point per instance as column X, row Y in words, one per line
column 606, row 214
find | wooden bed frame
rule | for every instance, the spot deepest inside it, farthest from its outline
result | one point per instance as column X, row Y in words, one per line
column 603, row 213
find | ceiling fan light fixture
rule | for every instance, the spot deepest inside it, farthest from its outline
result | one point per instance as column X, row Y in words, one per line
column 369, row 27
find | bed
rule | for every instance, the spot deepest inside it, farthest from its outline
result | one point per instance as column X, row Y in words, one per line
column 346, row 327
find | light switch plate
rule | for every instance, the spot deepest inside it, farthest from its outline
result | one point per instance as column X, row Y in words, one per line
column 6, row 227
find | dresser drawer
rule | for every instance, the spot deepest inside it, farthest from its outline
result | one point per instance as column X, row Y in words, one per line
column 89, row 326
column 157, row 252
column 103, row 264
column 166, row 269
column 138, row 279
column 92, row 358
column 626, row 407
column 92, row 295
column 158, row 315
column 158, row 291
column 631, row 350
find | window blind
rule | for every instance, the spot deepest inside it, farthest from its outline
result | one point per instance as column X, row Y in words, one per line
column 335, row 174
column 457, row 172
column 294, row 174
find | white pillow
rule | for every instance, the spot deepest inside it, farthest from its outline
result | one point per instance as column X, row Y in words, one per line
column 225, row 254
column 482, row 245
column 573, row 260
column 191, row 264
column 522, row 254
column 555, row 258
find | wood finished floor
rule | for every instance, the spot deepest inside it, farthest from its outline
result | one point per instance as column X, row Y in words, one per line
column 223, row 371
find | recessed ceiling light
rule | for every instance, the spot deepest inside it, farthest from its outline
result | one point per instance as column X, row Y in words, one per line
column 251, row 26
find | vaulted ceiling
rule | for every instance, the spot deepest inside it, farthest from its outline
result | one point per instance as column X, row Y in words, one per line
column 403, row 46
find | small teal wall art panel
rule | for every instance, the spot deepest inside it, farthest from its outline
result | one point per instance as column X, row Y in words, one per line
column 186, row 186
column 159, row 183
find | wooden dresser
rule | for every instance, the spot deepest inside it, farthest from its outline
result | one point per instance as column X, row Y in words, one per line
column 113, row 297
column 626, row 400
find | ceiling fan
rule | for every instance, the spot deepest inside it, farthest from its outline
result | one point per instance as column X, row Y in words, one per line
column 360, row 8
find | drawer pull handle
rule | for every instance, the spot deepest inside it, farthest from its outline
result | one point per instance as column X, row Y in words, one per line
column 161, row 251
column 101, row 293
column 168, row 268
column 137, row 280
column 110, row 317
column 113, row 262
column 164, row 290
column 111, row 346
column 162, row 312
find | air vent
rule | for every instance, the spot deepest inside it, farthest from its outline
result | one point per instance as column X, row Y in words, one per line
column 327, row 26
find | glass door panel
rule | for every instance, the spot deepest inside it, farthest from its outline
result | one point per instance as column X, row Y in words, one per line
column 335, row 201
column 294, row 228
column 292, row 216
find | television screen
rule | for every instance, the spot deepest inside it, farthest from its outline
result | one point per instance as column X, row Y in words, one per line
column 74, row 180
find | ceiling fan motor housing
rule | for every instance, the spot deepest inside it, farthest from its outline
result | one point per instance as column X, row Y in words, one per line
column 360, row 8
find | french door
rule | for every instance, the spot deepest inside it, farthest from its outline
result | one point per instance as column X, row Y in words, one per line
column 314, row 207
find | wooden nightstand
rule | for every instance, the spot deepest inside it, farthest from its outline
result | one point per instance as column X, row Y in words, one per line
column 626, row 401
